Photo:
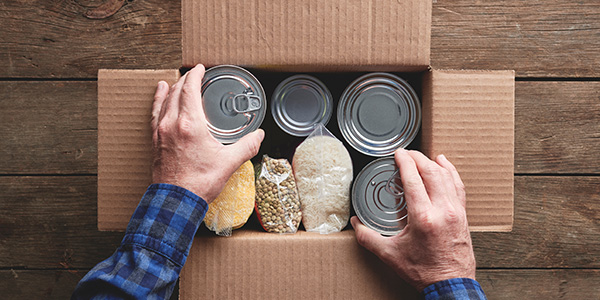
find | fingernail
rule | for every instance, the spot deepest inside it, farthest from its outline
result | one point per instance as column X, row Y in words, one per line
column 161, row 86
column 442, row 156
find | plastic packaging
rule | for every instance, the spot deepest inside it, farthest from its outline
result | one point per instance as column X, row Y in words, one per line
column 277, row 204
column 323, row 172
column 234, row 205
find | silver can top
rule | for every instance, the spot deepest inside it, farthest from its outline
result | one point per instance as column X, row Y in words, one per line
column 378, row 197
column 379, row 113
column 301, row 102
column 234, row 102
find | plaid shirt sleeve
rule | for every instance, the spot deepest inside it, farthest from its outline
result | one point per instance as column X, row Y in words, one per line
column 156, row 244
column 456, row 288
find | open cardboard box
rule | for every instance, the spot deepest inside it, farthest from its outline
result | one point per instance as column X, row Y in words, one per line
column 467, row 115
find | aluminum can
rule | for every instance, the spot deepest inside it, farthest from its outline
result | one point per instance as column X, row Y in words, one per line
column 299, row 103
column 378, row 197
column 379, row 113
column 234, row 102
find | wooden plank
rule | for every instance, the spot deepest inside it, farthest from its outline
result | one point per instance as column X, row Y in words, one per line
column 557, row 224
column 557, row 127
column 539, row 284
column 50, row 222
column 44, row 284
column 48, row 127
column 53, row 220
column 497, row 284
column 54, row 39
column 536, row 38
column 45, row 131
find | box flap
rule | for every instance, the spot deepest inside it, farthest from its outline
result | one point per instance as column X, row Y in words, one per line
column 260, row 265
column 125, row 141
column 378, row 35
column 469, row 117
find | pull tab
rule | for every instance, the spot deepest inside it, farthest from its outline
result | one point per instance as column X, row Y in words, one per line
column 393, row 187
column 246, row 102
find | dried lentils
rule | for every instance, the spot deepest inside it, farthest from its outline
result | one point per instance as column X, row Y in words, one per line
column 277, row 202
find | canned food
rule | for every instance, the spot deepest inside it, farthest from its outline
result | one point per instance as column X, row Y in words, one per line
column 300, row 103
column 234, row 102
column 378, row 197
column 379, row 113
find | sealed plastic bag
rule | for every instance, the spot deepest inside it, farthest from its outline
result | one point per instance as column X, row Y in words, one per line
column 323, row 172
column 277, row 204
column 235, row 203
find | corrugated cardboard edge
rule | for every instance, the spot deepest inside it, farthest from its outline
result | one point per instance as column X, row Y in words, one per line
column 260, row 265
column 311, row 35
column 468, row 116
column 125, row 141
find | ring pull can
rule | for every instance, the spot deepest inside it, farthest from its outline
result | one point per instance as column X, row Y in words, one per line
column 234, row 102
column 378, row 197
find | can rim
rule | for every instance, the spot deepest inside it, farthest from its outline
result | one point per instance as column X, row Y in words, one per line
column 289, row 84
column 359, row 212
column 259, row 116
column 406, row 94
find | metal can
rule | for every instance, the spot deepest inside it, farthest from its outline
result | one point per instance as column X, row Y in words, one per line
column 379, row 113
column 378, row 197
column 234, row 102
column 299, row 103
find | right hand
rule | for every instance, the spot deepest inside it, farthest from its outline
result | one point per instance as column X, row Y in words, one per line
column 435, row 245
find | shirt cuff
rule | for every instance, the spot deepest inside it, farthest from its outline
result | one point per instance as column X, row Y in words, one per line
column 166, row 221
column 455, row 288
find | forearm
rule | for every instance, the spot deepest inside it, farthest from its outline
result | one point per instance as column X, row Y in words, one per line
column 154, row 249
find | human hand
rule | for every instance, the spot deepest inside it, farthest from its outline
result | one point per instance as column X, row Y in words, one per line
column 436, row 244
column 185, row 152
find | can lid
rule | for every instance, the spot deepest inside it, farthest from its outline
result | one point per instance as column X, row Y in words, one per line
column 379, row 113
column 378, row 197
column 234, row 102
column 301, row 102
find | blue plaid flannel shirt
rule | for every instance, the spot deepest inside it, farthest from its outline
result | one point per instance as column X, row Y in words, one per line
column 456, row 288
column 156, row 244
column 158, row 240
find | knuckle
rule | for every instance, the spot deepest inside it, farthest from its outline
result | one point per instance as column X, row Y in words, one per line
column 185, row 127
column 163, row 129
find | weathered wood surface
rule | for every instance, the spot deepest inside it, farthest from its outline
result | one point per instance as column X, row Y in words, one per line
column 537, row 38
column 51, row 127
column 53, row 220
column 497, row 284
column 48, row 127
column 44, row 284
column 44, row 39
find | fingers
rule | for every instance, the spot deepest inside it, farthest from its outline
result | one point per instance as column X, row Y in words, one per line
column 162, row 90
column 458, row 183
column 368, row 238
column 170, row 108
column 418, row 202
column 191, row 98
column 246, row 148
column 436, row 179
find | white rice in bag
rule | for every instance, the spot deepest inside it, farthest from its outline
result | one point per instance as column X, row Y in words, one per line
column 323, row 171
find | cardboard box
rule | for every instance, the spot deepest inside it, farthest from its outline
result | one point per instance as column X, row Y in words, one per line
column 467, row 115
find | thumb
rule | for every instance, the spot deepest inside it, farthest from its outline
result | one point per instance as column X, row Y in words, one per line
column 368, row 238
column 247, row 147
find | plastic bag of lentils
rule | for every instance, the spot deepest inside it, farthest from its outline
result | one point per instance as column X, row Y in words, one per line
column 277, row 203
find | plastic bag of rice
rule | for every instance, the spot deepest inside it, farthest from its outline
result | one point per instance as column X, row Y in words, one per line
column 323, row 171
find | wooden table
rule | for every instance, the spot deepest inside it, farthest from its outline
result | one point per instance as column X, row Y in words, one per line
column 50, row 54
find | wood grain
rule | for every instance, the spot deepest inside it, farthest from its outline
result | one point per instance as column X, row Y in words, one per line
column 48, row 127
column 497, row 284
column 536, row 38
column 50, row 222
column 557, row 127
column 45, row 39
column 53, row 220
column 51, row 127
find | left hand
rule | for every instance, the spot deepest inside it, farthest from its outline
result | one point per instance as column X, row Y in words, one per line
column 185, row 152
